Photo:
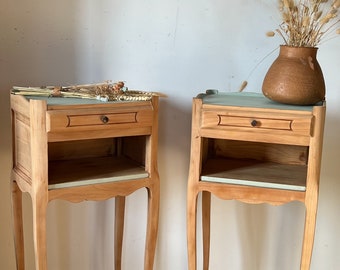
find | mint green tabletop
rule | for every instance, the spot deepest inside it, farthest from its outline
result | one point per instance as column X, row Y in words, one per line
column 72, row 101
column 247, row 99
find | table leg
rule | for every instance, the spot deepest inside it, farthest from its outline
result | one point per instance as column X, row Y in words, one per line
column 119, row 230
column 206, row 208
column 152, row 226
column 191, row 229
column 309, row 233
column 39, row 231
column 18, row 226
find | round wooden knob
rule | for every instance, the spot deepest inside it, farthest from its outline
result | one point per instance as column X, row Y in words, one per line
column 104, row 119
column 253, row 123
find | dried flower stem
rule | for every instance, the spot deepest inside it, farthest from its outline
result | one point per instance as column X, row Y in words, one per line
column 106, row 91
column 306, row 22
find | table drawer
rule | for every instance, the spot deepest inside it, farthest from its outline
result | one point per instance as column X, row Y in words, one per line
column 258, row 121
column 97, row 120
column 102, row 119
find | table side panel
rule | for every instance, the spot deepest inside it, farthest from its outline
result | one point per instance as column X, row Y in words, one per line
column 22, row 166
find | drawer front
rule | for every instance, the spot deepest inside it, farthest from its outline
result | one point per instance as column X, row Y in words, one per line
column 285, row 124
column 102, row 119
column 254, row 122
column 97, row 120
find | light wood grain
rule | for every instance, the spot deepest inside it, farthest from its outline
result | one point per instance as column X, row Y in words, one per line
column 68, row 152
column 274, row 160
column 278, row 153
column 88, row 171
column 255, row 173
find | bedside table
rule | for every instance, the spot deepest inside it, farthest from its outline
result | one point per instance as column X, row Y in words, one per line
column 245, row 147
column 77, row 149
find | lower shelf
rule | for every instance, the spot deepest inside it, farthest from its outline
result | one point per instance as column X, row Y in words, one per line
column 255, row 173
column 87, row 171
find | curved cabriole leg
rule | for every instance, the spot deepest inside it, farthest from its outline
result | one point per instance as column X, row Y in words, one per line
column 308, row 239
column 191, row 229
column 206, row 206
column 18, row 226
column 119, row 230
column 39, row 231
column 152, row 226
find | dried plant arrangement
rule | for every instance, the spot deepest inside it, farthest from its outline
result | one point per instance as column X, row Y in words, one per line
column 106, row 91
column 307, row 23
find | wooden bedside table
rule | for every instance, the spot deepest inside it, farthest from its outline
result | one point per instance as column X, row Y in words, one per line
column 245, row 147
column 76, row 150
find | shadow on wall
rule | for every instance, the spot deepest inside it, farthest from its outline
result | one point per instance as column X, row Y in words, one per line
column 38, row 48
column 329, row 200
column 173, row 164
column 268, row 237
column 174, row 139
column 6, row 239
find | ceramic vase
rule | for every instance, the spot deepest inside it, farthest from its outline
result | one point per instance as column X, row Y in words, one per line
column 295, row 77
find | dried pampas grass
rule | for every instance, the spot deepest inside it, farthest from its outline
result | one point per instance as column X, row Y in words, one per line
column 307, row 23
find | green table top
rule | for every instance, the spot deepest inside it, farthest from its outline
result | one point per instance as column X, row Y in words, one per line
column 247, row 99
column 73, row 101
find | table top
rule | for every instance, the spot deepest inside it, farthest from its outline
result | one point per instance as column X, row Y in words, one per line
column 74, row 101
column 247, row 99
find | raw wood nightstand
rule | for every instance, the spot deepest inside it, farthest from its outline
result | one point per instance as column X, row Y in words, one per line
column 245, row 147
column 76, row 150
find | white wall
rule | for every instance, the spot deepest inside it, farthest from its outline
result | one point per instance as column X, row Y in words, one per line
column 180, row 48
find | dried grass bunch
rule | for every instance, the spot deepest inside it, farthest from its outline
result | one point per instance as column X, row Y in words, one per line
column 307, row 23
column 106, row 91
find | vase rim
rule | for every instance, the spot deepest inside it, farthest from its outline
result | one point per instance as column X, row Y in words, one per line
column 298, row 47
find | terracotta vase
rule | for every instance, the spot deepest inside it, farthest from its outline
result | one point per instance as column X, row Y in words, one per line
column 295, row 77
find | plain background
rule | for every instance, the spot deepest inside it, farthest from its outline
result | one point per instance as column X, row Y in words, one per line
column 179, row 48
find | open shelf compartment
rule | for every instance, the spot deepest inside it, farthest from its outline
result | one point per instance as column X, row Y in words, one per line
column 255, row 164
column 255, row 173
column 89, row 171
column 79, row 163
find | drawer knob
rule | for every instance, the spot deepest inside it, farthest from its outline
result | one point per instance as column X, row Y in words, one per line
column 253, row 123
column 104, row 119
